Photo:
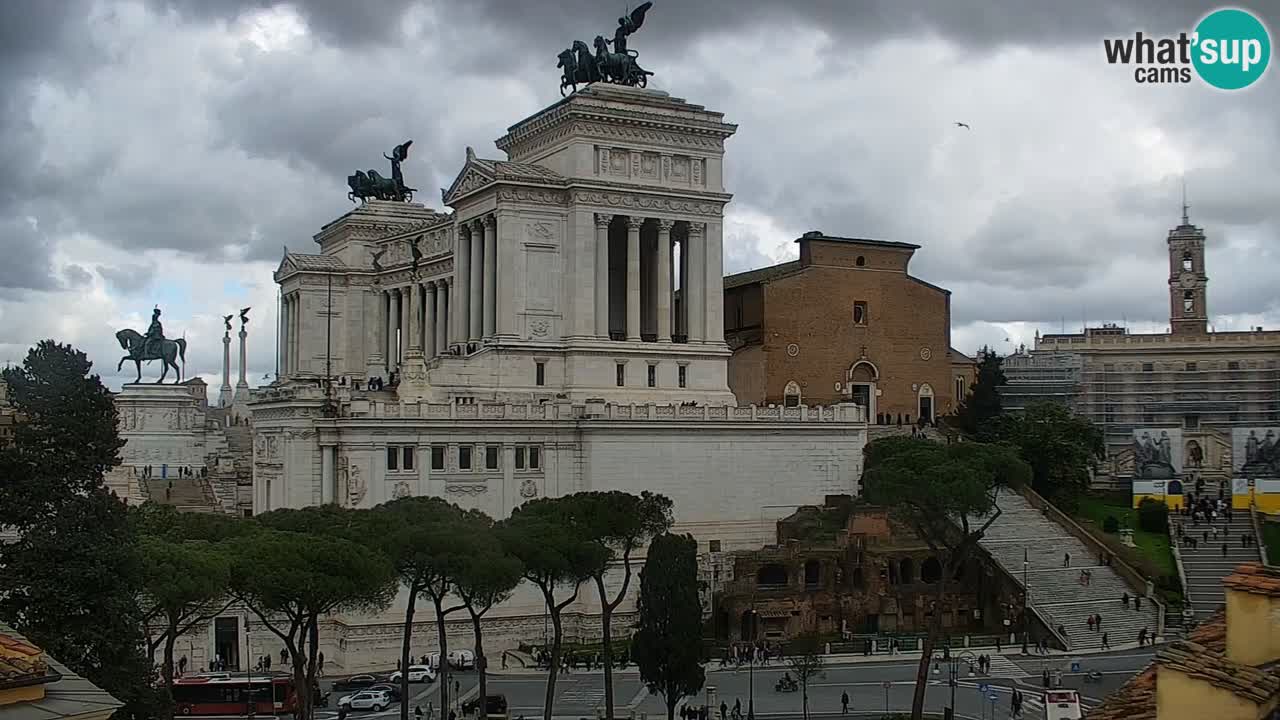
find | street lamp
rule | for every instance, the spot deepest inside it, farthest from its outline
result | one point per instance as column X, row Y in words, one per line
column 751, row 668
column 953, row 671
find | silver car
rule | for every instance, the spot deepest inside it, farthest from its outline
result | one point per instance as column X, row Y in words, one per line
column 375, row 700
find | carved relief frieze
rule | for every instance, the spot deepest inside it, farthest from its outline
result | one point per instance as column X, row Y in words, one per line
column 466, row 489
column 533, row 196
column 633, row 201
column 528, row 488
column 401, row 490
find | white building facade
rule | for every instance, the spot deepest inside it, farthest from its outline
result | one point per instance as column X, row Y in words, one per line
column 561, row 330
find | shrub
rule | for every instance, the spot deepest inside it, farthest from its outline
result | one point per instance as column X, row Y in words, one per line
column 1153, row 516
column 1111, row 524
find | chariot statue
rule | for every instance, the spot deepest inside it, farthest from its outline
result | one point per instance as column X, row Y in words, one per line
column 152, row 346
column 371, row 185
column 617, row 65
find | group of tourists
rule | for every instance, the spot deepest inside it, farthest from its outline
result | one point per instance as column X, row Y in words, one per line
column 742, row 653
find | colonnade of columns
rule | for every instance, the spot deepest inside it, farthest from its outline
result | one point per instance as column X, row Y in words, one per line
column 476, row 271
column 417, row 321
column 649, row 279
column 290, row 333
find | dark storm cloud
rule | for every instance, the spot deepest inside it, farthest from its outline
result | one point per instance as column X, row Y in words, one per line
column 76, row 276
column 340, row 22
column 26, row 252
column 129, row 278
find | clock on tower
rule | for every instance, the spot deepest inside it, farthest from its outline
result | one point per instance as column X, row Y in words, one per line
column 1188, row 313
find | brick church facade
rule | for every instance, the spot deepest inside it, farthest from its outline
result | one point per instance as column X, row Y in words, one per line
column 845, row 322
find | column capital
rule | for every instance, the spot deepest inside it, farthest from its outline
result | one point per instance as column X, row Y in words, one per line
column 697, row 229
column 634, row 222
column 603, row 220
column 479, row 225
column 489, row 221
column 443, row 282
column 665, row 225
column 430, row 284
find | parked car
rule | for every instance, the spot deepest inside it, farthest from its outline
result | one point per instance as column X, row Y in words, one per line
column 462, row 659
column 388, row 688
column 375, row 700
column 496, row 705
column 417, row 674
column 355, row 682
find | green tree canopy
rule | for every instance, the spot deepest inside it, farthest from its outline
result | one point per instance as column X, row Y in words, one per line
column 982, row 404
column 806, row 660
column 947, row 495
column 667, row 646
column 1062, row 448
column 486, row 576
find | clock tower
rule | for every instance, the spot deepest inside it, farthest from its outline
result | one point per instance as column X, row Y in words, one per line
column 1188, row 312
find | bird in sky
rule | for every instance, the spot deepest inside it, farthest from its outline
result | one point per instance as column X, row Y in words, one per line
column 963, row 125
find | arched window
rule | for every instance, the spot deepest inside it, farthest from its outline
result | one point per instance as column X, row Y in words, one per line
column 812, row 573
column 771, row 576
column 926, row 403
column 791, row 394
column 1187, row 263
column 906, row 571
column 858, row 580
column 860, row 261
column 1188, row 301
column 931, row 570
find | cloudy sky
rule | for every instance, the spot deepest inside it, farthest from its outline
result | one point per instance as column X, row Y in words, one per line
column 165, row 152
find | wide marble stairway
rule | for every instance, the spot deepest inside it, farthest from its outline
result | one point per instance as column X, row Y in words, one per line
column 1206, row 565
column 1057, row 592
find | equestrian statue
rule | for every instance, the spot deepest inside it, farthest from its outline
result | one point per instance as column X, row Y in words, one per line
column 617, row 66
column 371, row 185
column 153, row 346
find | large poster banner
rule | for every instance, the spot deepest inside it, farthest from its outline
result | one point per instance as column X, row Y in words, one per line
column 1255, row 451
column 1157, row 453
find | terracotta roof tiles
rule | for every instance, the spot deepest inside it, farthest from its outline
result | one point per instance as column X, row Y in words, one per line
column 1256, row 579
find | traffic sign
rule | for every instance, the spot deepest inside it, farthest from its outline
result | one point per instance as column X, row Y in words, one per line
column 993, row 697
column 983, row 687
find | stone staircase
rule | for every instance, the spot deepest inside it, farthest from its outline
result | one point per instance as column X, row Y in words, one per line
column 1205, row 566
column 185, row 494
column 1055, row 592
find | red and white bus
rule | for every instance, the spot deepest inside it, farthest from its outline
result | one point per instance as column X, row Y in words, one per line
column 226, row 694
column 1062, row 705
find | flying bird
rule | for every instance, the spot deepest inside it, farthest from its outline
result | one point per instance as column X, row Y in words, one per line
column 963, row 125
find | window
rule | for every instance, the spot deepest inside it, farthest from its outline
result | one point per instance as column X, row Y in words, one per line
column 1191, row 422
column 791, row 395
column 393, row 458
column 491, row 457
column 400, row 458
column 1148, row 367
column 1233, row 365
column 860, row 261
column 715, row 545
column 528, row 457
column 464, row 457
column 437, row 457
column 1109, row 414
column 519, row 457
column 535, row 457
column 652, row 380
column 1188, row 301
column 1191, row 367
column 860, row 313
column 407, row 455
column 1187, row 263
column 540, row 374
column 959, row 389
column 621, row 370
column 682, row 375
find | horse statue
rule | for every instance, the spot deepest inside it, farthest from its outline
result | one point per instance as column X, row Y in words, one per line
column 372, row 185
column 619, row 67
column 579, row 67
column 169, row 352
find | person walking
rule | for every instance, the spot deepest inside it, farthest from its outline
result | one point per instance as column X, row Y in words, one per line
column 266, row 662
column 1090, row 621
column 284, row 656
column 1106, row 644
column 182, row 665
column 1097, row 622
column 417, row 712
column 1137, row 602
column 737, row 708
column 997, row 644
column 1066, row 560
column 844, row 703
column 724, row 710
column 1124, row 598
column 320, row 663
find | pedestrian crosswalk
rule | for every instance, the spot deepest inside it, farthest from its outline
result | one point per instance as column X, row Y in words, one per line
column 583, row 694
column 1003, row 667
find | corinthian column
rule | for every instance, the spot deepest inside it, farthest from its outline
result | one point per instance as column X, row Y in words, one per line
column 442, row 316
column 664, row 280
column 633, row 277
column 429, row 320
column 415, row 308
column 462, row 285
column 490, row 276
column 695, row 295
column 602, row 275
column 475, row 297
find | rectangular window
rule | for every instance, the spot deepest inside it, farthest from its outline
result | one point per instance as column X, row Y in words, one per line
column 408, row 458
column 860, row 313
column 519, row 457
column 653, row 376
column 437, row 457
column 393, row 458
column 1191, row 422
column 491, row 457
column 535, row 457
column 1233, row 365
column 714, row 545
column 540, row 374
column 464, row 457
column 621, row 369
column 683, row 375
column 1109, row 414
column 1148, row 367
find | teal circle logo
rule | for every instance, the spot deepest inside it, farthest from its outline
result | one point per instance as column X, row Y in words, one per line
column 1231, row 49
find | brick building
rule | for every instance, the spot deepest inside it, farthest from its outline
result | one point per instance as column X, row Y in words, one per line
column 846, row 322
column 846, row 568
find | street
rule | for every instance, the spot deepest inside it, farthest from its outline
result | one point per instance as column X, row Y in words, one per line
column 870, row 685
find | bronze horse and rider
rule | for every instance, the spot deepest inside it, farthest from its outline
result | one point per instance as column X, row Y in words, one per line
column 152, row 346
column 618, row 66
column 372, row 185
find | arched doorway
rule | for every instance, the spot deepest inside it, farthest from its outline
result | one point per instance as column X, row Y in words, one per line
column 925, row 397
column 791, row 395
column 862, row 379
column 812, row 573
column 931, row 570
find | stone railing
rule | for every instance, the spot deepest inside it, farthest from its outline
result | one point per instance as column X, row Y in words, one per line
column 368, row 407
column 1258, row 540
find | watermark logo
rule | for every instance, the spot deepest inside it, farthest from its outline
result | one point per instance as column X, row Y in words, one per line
column 1229, row 49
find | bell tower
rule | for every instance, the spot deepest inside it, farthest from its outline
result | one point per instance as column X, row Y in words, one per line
column 1188, row 310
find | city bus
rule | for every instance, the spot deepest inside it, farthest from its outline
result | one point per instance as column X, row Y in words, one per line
column 1062, row 705
column 224, row 694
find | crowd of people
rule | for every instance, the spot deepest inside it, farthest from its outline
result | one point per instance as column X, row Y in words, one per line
column 742, row 653
column 1212, row 518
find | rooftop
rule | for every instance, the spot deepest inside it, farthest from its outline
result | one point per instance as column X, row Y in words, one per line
column 315, row 263
column 1197, row 661
column 1256, row 579
column 819, row 235
column 763, row 274
column 66, row 694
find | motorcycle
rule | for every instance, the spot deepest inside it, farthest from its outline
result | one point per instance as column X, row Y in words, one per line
column 785, row 686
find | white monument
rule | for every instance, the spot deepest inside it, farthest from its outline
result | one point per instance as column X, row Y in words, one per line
column 240, row 403
column 224, row 393
column 560, row 330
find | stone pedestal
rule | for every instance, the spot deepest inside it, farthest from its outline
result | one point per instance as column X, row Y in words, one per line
column 163, row 426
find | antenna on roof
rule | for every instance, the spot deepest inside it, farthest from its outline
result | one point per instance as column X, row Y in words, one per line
column 1186, row 220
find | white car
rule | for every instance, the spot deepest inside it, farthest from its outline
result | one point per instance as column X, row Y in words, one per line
column 375, row 700
column 462, row 659
column 417, row 674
